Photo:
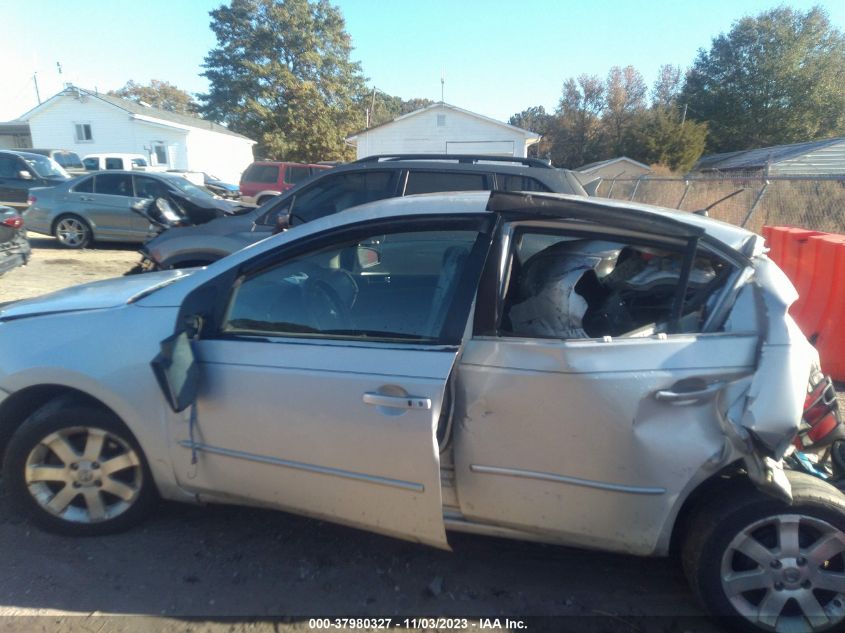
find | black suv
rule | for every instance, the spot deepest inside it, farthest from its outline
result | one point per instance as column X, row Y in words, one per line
column 22, row 171
column 365, row 180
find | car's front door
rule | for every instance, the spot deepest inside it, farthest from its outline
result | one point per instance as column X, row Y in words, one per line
column 14, row 189
column 322, row 390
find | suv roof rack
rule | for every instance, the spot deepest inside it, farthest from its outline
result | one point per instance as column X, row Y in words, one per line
column 461, row 158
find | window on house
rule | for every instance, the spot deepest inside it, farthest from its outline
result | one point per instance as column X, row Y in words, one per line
column 160, row 152
column 441, row 120
column 83, row 132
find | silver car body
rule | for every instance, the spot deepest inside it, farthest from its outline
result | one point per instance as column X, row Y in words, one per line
column 586, row 442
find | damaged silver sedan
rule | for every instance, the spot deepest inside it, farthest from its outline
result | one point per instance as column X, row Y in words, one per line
column 547, row 367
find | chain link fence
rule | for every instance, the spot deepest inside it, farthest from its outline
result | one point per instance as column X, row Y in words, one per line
column 816, row 203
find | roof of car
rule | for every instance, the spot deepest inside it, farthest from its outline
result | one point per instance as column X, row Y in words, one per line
column 463, row 202
column 21, row 154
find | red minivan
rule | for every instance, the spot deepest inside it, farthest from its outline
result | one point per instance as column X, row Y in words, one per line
column 264, row 179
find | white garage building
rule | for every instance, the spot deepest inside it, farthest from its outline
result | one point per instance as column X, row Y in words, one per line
column 88, row 122
column 443, row 129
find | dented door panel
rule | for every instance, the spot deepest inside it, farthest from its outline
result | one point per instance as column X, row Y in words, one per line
column 572, row 439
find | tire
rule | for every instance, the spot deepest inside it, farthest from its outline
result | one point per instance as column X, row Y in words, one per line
column 71, row 231
column 743, row 565
column 75, row 469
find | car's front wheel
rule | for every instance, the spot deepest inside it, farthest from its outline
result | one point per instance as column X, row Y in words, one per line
column 770, row 566
column 75, row 469
column 72, row 232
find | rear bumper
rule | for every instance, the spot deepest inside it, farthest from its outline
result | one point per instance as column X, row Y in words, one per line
column 14, row 254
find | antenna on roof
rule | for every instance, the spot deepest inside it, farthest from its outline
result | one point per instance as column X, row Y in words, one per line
column 442, row 84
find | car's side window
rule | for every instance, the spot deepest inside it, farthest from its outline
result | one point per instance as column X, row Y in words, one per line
column 8, row 167
column 113, row 184
column 509, row 182
column 149, row 188
column 91, row 164
column 397, row 286
column 295, row 174
column 114, row 163
column 267, row 174
column 341, row 191
column 84, row 186
column 571, row 285
column 434, row 181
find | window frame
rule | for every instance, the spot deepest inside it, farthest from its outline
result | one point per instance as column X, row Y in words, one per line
column 496, row 278
column 212, row 300
column 84, row 126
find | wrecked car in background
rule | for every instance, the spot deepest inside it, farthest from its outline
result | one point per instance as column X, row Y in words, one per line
column 14, row 247
column 551, row 367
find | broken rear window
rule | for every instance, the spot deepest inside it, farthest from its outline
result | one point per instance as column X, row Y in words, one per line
column 570, row 286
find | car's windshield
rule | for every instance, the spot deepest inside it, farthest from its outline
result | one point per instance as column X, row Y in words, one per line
column 46, row 167
column 68, row 160
column 186, row 186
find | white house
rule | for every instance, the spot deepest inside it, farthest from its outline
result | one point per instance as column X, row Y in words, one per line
column 89, row 122
column 443, row 129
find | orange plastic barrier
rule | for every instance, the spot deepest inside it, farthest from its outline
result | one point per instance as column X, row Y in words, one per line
column 815, row 262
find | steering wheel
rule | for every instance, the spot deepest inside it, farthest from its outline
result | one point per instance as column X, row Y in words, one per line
column 326, row 309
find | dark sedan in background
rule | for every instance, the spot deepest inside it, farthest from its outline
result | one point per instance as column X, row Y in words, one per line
column 20, row 172
column 104, row 205
column 14, row 247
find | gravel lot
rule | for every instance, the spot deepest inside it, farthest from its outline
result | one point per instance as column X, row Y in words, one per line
column 193, row 568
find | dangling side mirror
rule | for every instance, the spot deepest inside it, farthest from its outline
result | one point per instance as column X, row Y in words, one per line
column 282, row 223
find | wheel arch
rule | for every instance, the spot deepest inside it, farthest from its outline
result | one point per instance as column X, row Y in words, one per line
column 64, row 214
column 727, row 479
column 16, row 408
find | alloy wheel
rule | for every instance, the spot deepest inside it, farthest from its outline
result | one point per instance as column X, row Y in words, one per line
column 72, row 232
column 84, row 475
column 787, row 573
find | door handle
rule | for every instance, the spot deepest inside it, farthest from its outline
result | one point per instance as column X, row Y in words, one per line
column 682, row 398
column 396, row 402
column 86, row 199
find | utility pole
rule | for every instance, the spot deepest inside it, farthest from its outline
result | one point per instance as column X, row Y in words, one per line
column 442, row 85
column 35, row 81
column 684, row 116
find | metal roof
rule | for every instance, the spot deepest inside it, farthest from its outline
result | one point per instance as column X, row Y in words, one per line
column 762, row 157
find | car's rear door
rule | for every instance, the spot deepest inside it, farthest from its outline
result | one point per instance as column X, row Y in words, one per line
column 108, row 207
column 577, row 418
column 322, row 394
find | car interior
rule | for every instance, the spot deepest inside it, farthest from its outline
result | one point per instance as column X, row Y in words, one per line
column 571, row 287
column 396, row 286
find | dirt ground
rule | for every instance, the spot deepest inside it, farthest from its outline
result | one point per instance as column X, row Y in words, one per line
column 235, row 570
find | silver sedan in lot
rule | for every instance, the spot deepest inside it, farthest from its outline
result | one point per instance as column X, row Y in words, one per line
column 548, row 367
column 99, row 207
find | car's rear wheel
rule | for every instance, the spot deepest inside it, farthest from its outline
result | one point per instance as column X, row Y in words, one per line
column 71, row 231
column 75, row 469
column 770, row 566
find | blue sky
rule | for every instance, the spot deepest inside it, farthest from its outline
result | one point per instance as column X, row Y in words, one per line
column 500, row 57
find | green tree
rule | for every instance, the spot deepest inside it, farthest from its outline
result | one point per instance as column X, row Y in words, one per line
column 578, row 137
column 384, row 107
column 625, row 94
column 281, row 74
column 543, row 123
column 159, row 94
column 660, row 136
column 774, row 78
